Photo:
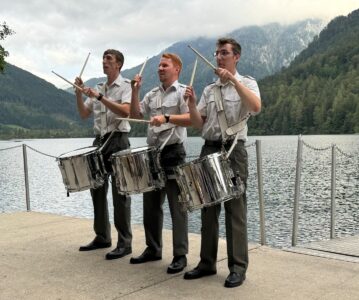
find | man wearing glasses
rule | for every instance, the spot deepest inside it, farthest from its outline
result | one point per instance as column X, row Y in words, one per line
column 240, row 97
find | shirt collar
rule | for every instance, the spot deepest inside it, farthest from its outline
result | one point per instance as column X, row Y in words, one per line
column 117, row 81
column 174, row 86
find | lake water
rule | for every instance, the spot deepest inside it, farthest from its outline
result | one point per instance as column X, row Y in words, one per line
column 48, row 194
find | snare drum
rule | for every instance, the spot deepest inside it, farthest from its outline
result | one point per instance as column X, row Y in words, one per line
column 207, row 181
column 82, row 169
column 137, row 170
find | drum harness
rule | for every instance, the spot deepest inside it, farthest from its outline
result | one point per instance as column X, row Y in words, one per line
column 228, row 131
column 103, row 122
column 164, row 127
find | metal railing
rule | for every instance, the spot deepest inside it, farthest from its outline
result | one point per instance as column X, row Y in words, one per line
column 299, row 163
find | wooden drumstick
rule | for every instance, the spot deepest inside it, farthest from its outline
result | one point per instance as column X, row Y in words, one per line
column 68, row 81
column 193, row 72
column 83, row 68
column 133, row 120
column 206, row 60
column 203, row 58
column 142, row 68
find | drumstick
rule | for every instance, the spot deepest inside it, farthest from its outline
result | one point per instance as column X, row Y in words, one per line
column 133, row 120
column 192, row 77
column 142, row 68
column 206, row 60
column 83, row 68
column 68, row 81
column 193, row 72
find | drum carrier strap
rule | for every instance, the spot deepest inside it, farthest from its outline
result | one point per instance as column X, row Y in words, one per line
column 103, row 117
column 228, row 132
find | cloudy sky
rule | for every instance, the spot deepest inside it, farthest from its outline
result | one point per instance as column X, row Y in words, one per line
column 58, row 35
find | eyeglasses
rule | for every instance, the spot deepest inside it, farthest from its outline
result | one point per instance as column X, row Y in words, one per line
column 222, row 53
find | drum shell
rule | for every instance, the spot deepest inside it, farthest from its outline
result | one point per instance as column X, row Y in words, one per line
column 207, row 181
column 138, row 170
column 83, row 170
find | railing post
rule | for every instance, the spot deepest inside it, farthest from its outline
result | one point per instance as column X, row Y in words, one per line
column 26, row 178
column 260, row 191
column 332, row 206
column 297, row 190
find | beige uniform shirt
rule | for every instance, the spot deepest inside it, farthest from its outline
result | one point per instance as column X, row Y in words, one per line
column 234, row 109
column 104, row 119
column 160, row 102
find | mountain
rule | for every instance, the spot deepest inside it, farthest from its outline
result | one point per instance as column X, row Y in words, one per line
column 319, row 91
column 30, row 106
column 265, row 50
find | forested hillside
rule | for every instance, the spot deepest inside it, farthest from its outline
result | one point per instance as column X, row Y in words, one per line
column 319, row 91
column 32, row 107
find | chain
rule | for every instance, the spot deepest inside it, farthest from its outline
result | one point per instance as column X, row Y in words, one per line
column 346, row 154
column 327, row 148
column 11, row 148
column 316, row 149
column 41, row 152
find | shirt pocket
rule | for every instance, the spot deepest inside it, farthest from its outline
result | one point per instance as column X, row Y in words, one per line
column 153, row 105
column 232, row 106
column 211, row 104
column 170, row 106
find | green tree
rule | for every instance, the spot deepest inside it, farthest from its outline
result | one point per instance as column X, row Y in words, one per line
column 4, row 32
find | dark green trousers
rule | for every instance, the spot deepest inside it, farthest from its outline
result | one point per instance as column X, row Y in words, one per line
column 235, row 220
column 153, row 212
column 121, row 203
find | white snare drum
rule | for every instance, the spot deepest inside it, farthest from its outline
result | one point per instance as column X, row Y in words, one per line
column 137, row 170
column 207, row 181
column 82, row 169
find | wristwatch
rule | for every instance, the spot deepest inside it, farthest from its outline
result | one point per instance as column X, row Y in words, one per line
column 99, row 97
column 167, row 117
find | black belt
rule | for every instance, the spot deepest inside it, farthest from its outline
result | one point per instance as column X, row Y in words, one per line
column 220, row 143
column 172, row 146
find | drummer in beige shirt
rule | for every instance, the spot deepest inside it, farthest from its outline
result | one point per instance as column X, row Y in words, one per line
column 166, row 107
column 105, row 102
column 239, row 98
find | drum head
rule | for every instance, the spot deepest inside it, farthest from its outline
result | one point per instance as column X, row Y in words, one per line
column 77, row 152
column 131, row 151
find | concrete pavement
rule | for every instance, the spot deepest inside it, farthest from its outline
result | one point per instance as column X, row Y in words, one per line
column 39, row 259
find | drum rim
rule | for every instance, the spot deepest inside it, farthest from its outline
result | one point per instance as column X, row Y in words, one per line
column 68, row 156
column 129, row 151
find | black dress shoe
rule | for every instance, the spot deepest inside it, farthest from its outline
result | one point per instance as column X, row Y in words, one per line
column 177, row 265
column 144, row 257
column 94, row 245
column 119, row 252
column 234, row 279
column 198, row 273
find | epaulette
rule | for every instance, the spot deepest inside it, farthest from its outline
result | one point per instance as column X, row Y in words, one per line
column 211, row 85
column 127, row 80
column 155, row 89
column 247, row 76
column 182, row 85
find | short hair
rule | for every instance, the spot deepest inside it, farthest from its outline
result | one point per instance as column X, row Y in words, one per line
column 236, row 47
column 118, row 55
column 175, row 59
